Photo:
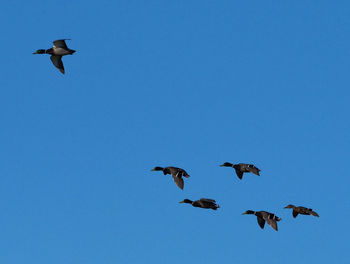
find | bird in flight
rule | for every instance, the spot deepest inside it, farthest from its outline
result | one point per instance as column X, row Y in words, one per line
column 176, row 173
column 58, row 50
column 301, row 210
column 263, row 216
column 203, row 203
column 241, row 168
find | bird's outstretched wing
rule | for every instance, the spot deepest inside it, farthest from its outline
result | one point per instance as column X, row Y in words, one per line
column 207, row 200
column 261, row 222
column 239, row 173
column 60, row 43
column 208, row 203
column 57, row 61
column 295, row 213
column 272, row 223
column 313, row 213
column 253, row 169
column 179, row 181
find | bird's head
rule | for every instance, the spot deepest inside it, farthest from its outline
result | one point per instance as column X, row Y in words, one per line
column 186, row 201
column 226, row 164
column 40, row 51
column 157, row 169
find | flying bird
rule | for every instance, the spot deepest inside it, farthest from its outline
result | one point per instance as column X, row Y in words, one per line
column 241, row 168
column 58, row 50
column 263, row 216
column 176, row 173
column 203, row 203
column 301, row 210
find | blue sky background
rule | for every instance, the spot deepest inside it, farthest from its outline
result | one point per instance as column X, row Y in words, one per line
column 184, row 83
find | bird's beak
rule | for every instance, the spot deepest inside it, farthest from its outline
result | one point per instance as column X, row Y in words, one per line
column 244, row 213
column 152, row 169
column 222, row 165
column 35, row 52
column 182, row 202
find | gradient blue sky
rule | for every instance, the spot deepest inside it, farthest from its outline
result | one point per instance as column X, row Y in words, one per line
column 185, row 83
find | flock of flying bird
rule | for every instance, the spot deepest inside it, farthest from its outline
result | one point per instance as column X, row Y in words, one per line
column 240, row 168
column 60, row 49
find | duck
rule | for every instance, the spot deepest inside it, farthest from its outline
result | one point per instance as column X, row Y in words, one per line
column 203, row 203
column 176, row 173
column 301, row 210
column 58, row 50
column 241, row 168
column 263, row 216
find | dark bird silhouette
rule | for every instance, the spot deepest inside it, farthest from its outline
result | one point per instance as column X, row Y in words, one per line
column 301, row 210
column 203, row 203
column 176, row 173
column 58, row 50
column 241, row 168
column 263, row 216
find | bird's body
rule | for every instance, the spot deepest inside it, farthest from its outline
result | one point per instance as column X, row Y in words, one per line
column 58, row 50
column 176, row 173
column 263, row 216
column 301, row 210
column 203, row 203
column 241, row 168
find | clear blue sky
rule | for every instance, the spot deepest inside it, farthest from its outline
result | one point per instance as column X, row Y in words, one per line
column 184, row 83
